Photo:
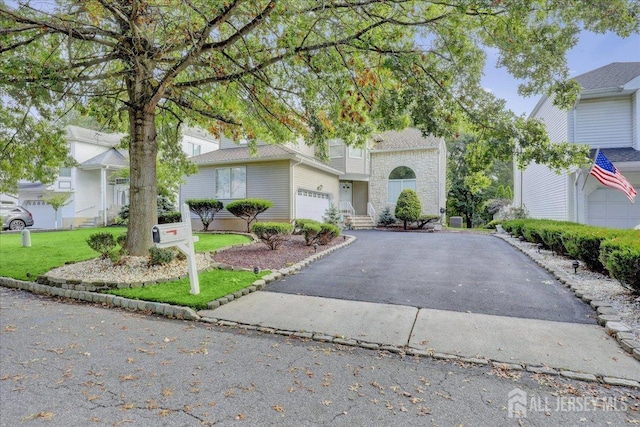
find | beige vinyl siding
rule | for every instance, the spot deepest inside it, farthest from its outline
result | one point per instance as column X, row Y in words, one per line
column 308, row 178
column 545, row 194
column 356, row 165
column 604, row 122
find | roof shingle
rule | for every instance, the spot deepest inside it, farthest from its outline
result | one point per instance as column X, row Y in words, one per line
column 614, row 75
column 405, row 139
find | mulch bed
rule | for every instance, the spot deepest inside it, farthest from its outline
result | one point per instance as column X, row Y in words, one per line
column 259, row 255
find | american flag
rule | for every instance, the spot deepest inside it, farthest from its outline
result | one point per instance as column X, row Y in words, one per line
column 604, row 171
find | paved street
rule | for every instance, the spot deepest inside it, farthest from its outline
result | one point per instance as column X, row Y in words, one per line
column 71, row 364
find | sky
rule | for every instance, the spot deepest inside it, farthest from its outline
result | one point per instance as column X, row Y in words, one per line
column 592, row 51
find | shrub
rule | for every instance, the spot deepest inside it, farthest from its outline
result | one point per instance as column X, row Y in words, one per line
column 161, row 256
column 169, row 217
column 103, row 243
column 311, row 232
column 493, row 224
column 328, row 232
column 408, row 207
column 426, row 219
column 584, row 244
column 248, row 209
column 164, row 205
column 386, row 217
column 272, row 234
column 621, row 257
column 332, row 216
column 301, row 222
column 206, row 209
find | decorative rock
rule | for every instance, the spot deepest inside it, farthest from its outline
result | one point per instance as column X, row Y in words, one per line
column 636, row 353
column 625, row 336
column 607, row 310
column 227, row 323
column 223, row 300
column 507, row 366
column 629, row 345
column 621, row 382
column 475, row 360
column 587, row 298
column 578, row 376
column 284, row 333
column 597, row 303
column 230, row 297
column 321, row 337
column 213, row 305
column 266, row 330
column 349, row 342
column 307, row 335
column 615, row 327
column 392, row 349
column 370, row 345
column 605, row 318
column 444, row 356
column 542, row 370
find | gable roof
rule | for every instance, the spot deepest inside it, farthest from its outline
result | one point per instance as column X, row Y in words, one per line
column 111, row 158
column 406, row 139
column 263, row 153
column 614, row 75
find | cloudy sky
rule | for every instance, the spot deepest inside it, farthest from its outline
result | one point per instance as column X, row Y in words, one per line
column 591, row 52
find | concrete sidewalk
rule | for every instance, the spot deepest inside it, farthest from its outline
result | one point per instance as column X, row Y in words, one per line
column 562, row 346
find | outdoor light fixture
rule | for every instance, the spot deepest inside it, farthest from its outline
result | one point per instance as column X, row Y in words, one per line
column 315, row 247
column 540, row 247
column 344, row 237
column 575, row 265
column 256, row 270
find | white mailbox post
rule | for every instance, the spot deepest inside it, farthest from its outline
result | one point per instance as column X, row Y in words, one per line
column 179, row 234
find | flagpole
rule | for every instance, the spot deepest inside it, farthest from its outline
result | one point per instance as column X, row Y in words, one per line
column 592, row 165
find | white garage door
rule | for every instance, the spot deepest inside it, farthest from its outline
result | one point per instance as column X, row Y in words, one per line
column 611, row 208
column 43, row 213
column 311, row 204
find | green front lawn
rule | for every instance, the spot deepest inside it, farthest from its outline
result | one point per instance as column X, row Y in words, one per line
column 53, row 249
column 213, row 285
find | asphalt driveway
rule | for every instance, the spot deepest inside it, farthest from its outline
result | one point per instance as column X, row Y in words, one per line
column 448, row 271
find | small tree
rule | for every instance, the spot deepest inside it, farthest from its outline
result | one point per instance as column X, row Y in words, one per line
column 248, row 209
column 332, row 216
column 408, row 207
column 57, row 200
column 205, row 209
column 386, row 217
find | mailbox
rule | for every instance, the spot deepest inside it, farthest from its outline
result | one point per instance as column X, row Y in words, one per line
column 171, row 234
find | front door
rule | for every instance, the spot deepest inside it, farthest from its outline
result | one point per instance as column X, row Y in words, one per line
column 346, row 192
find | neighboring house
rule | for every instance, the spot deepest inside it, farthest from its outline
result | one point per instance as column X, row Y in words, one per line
column 360, row 181
column 96, row 194
column 606, row 116
column 95, row 197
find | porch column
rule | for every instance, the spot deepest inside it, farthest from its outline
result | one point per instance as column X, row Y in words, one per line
column 103, row 195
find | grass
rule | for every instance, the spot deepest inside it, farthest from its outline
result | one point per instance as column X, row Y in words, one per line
column 53, row 249
column 213, row 285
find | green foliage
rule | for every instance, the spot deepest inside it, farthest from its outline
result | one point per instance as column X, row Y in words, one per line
column 272, row 234
column 311, row 232
column 328, row 232
column 248, row 209
column 386, row 217
column 206, row 209
column 493, row 224
column 332, row 216
column 165, row 207
column 169, row 217
column 103, row 243
column 408, row 207
column 161, row 256
column 621, row 257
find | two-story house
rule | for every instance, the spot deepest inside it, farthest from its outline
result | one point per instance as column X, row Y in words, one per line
column 361, row 181
column 606, row 116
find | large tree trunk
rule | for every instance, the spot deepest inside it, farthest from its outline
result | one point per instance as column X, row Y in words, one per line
column 143, row 208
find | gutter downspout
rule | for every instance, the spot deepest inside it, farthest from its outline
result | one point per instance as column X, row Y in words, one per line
column 576, row 215
column 294, row 191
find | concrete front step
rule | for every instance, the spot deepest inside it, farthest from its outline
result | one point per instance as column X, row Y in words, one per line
column 362, row 222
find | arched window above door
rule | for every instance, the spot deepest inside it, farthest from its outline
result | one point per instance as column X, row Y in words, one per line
column 400, row 178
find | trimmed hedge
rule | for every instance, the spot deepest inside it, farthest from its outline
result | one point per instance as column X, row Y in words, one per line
column 609, row 250
column 272, row 234
column 248, row 209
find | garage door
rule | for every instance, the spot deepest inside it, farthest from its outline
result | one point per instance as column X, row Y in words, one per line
column 611, row 208
column 43, row 213
column 311, row 204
